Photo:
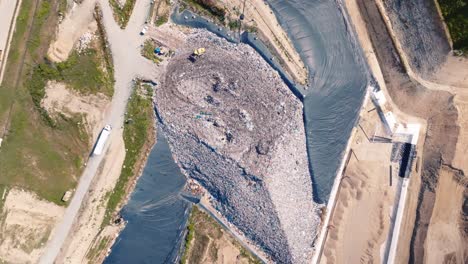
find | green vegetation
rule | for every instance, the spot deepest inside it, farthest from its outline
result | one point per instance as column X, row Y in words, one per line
column 188, row 240
column 209, row 8
column 41, row 16
column 122, row 14
column 148, row 51
column 213, row 9
column 82, row 72
column 455, row 14
column 202, row 229
column 41, row 153
column 99, row 247
column 234, row 24
column 162, row 20
column 137, row 128
column 3, row 195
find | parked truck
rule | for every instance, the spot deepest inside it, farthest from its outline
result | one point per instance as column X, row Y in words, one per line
column 101, row 141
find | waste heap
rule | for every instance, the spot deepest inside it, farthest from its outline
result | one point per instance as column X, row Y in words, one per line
column 236, row 128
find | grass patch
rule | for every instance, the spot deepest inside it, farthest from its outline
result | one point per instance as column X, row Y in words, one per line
column 41, row 16
column 82, row 72
column 137, row 128
column 99, row 247
column 455, row 13
column 209, row 8
column 3, row 195
column 148, row 51
column 39, row 153
column 162, row 20
column 122, row 14
column 201, row 229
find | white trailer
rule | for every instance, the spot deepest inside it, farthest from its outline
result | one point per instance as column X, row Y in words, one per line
column 101, row 141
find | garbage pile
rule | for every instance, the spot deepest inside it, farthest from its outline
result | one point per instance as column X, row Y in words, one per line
column 237, row 129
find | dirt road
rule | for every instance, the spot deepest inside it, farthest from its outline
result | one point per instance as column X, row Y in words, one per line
column 128, row 64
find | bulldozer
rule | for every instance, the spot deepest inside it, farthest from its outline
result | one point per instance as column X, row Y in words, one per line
column 196, row 54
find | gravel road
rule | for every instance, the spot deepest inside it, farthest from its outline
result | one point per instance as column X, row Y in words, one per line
column 128, row 64
column 7, row 10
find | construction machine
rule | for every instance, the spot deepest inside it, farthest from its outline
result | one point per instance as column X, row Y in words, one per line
column 196, row 54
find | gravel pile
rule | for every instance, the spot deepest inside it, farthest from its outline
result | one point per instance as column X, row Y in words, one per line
column 421, row 33
column 237, row 129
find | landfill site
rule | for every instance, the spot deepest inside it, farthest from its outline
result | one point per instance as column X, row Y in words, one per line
column 237, row 132
column 237, row 129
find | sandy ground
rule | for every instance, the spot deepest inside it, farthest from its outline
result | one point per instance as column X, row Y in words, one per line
column 461, row 151
column 25, row 225
column 453, row 72
column 269, row 28
column 360, row 226
column 221, row 247
column 206, row 205
column 60, row 99
column 77, row 22
column 169, row 35
column 445, row 242
column 92, row 213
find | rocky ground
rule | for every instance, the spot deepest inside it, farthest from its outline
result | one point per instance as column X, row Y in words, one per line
column 237, row 129
column 421, row 33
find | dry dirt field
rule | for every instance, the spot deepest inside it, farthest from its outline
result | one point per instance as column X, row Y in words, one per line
column 62, row 100
column 360, row 222
column 445, row 242
column 444, row 112
column 26, row 223
column 78, row 21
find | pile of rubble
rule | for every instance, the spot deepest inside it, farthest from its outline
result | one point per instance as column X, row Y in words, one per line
column 84, row 41
column 237, row 129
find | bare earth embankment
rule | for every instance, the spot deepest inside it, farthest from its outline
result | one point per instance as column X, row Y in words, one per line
column 421, row 37
column 442, row 113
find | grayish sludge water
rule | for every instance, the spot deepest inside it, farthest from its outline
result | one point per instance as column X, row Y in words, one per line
column 338, row 82
column 156, row 212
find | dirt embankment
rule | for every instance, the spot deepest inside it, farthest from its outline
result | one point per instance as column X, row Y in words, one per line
column 421, row 33
column 437, row 107
column 421, row 37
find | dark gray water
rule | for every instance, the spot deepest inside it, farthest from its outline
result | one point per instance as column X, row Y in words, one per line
column 156, row 213
column 338, row 82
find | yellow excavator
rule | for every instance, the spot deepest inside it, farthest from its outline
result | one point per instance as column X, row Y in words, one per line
column 197, row 54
